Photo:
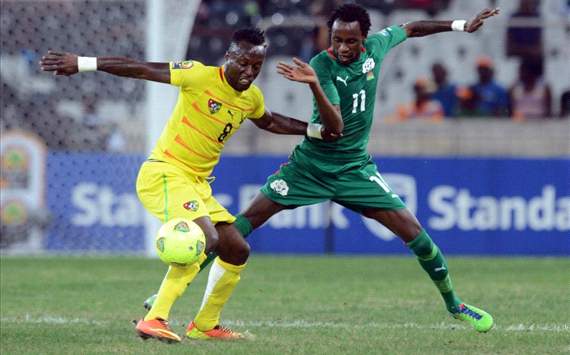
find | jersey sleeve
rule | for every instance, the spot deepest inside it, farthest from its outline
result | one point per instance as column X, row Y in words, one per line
column 323, row 70
column 388, row 38
column 259, row 103
column 186, row 74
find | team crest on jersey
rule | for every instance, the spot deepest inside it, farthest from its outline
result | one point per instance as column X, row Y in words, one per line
column 191, row 205
column 368, row 65
column 187, row 64
column 280, row 186
column 214, row 106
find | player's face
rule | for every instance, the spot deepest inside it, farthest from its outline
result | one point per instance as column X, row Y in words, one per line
column 346, row 39
column 243, row 64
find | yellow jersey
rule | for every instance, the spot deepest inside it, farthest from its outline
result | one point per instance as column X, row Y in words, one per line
column 208, row 112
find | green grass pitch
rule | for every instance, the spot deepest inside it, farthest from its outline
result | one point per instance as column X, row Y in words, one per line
column 291, row 305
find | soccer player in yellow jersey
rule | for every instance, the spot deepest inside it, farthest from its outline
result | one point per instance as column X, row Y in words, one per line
column 212, row 104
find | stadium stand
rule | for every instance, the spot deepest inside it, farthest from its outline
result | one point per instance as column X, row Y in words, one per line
column 33, row 101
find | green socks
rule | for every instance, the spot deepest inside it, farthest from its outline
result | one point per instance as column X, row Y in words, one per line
column 432, row 261
column 243, row 225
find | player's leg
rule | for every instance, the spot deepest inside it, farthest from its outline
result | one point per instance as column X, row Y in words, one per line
column 178, row 278
column 224, row 275
column 233, row 252
column 259, row 211
column 164, row 191
column 364, row 190
column 291, row 186
column 405, row 225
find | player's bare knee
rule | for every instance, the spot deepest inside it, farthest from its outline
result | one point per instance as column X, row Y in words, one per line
column 242, row 252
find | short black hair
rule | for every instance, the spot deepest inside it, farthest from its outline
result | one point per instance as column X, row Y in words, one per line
column 251, row 35
column 351, row 13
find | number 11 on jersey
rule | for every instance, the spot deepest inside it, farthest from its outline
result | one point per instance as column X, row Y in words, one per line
column 362, row 95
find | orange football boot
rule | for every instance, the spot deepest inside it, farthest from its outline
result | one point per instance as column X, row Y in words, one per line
column 156, row 329
column 218, row 332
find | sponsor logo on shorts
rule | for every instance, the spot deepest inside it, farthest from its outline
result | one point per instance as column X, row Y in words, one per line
column 280, row 187
column 192, row 205
column 214, row 106
column 187, row 64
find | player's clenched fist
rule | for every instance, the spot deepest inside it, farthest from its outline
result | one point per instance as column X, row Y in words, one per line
column 60, row 63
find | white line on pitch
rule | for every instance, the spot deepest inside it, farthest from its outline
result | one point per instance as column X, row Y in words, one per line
column 50, row 320
column 521, row 327
column 307, row 324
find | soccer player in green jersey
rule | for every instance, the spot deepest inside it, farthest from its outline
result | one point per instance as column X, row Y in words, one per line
column 342, row 170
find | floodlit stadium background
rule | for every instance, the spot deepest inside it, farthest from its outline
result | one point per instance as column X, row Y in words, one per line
column 71, row 147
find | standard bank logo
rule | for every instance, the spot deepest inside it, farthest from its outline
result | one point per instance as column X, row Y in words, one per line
column 404, row 186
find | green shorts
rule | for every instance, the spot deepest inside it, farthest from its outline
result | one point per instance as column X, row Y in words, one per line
column 305, row 181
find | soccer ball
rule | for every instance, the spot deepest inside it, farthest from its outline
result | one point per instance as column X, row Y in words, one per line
column 180, row 241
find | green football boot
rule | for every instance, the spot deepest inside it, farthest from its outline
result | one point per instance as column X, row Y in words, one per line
column 480, row 320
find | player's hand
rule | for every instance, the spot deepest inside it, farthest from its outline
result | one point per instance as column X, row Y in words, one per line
column 328, row 136
column 300, row 71
column 475, row 23
column 60, row 63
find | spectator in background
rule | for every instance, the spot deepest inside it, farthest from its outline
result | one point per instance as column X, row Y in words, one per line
column 530, row 96
column 423, row 106
column 445, row 93
column 565, row 104
column 467, row 103
column 524, row 33
column 491, row 99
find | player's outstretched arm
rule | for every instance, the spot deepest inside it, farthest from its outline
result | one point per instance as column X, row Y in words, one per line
column 63, row 63
column 304, row 73
column 280, row 124
column 425, row 28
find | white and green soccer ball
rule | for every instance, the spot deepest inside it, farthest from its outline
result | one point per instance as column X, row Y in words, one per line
column 180, row 241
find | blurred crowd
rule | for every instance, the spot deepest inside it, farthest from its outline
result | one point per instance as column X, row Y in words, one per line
column 529, row 98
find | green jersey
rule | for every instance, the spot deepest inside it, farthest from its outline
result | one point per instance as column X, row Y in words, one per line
column 353, row 87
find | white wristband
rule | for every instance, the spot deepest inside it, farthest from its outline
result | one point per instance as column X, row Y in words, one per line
column 458, row 25
column 314, row 130
column 86, row 64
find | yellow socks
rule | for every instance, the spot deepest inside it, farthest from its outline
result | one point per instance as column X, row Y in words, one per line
column 222, row 281
column 174, row 284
